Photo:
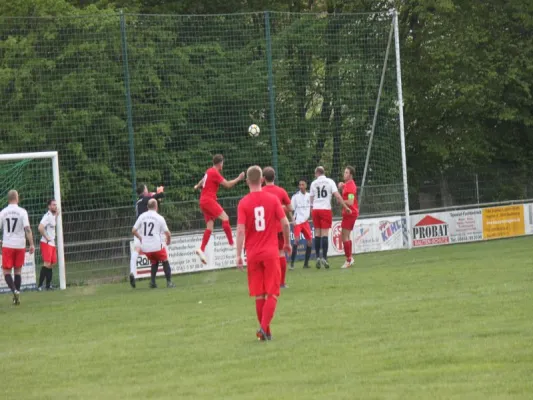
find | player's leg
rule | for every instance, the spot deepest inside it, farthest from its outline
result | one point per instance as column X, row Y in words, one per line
column 154, row 266
column 306, row 229
column 49, row 272
column 46, row 265
column 226, row 226
column 296, row 234
column 282, row 261
column 133, row 260
column 272, row 277
column 163, row 258
column 327, row 222
column 347, row 226
column 318, row 236
column 256, row 289
column 209, row 226
column 8, row 262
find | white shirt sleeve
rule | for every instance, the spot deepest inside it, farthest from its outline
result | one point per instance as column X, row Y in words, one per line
column 138, row 223
column 293, row 202
column 164, row 227
column 25, row 219
column 312, row 190
column 44, row 220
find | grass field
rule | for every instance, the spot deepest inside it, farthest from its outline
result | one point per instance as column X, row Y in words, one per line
column 451, row 322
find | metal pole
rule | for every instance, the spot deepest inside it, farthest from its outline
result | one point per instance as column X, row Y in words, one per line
column 128, row 105
column 271, row 95
column 402, row 130
column 477, row 189
column 59, row 224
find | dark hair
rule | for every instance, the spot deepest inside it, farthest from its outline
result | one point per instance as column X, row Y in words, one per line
column 50, row 202
column 269, row 174
column 351, row 169
column 254, row 174
column 140, row 188
column 217, row 159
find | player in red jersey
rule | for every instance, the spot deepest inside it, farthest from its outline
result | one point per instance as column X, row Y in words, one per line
column 208, row 202
column 259, row 214
column 269, row 176
column 349, row 195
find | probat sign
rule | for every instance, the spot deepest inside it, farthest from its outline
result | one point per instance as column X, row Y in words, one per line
column 430, row 231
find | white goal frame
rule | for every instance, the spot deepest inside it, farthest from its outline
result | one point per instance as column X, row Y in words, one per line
column 53, row 156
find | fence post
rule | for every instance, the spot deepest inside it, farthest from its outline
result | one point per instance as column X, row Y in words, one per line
column 271, row 95
column 477, row 188
column 128, row 105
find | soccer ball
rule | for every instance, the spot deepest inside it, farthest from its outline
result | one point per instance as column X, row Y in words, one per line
column 253, row 130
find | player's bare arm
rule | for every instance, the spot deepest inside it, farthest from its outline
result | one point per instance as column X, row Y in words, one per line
column 286, row 235
column 199, row 184
column 168, row 237
column 42, row 231
column 240, row 245
column 229, row 184
column 136, row 233
column 29, row 237
column 341, row 201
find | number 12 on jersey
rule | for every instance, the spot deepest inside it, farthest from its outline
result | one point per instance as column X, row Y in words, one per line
column 259, row 214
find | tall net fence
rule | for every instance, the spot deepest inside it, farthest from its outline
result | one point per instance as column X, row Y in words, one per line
column 128, row 99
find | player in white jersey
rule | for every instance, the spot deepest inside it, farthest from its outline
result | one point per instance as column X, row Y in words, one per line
column 47, row 229
column 16, row 229
column 301, row 203
column 322, row 190
column 149, row 229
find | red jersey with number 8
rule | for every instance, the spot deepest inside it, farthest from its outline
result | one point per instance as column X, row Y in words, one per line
column 260, row 212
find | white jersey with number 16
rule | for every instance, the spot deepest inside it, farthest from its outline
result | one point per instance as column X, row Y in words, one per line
column 14, row 219
column 321, row 192
column 151, row 226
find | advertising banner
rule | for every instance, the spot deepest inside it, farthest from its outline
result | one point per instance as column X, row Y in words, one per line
column 27, row 274
column 528, row 218
column 502, row 222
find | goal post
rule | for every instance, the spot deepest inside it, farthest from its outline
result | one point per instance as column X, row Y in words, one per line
column 35, row 186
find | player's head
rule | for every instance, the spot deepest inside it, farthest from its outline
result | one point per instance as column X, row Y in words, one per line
column 152, row 204
column 52, row 206
column 349, row 173
column 13, row 197
column 218, row 161
column 254, row 176
column 319, row 171
column 142, row 190
column 302, row 185
column 269, row 174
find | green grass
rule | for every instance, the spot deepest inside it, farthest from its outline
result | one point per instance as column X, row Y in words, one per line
column 450, row 322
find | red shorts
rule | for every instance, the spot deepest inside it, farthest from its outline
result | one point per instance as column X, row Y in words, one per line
column 322, row 219
column 264, row 276
column 211, row 209
column 13, row 258
column 157, row 256
column 48, row 253
column 348, row 221
column 304, row 228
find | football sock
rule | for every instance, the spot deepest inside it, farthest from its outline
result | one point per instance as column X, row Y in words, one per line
column 268, row 312
column 48, row 277
column 307, row 254
column 283, row 264
column 205, row 239
column 133, row 262
column 325, row 243
column 318, row 243
column 259, row 304
column 153, row 271
column 9, row 280
column 348, row 249
column 18, row 281
column 227, row 230
column 294, row 251
column 166, row 270
column 42, row 275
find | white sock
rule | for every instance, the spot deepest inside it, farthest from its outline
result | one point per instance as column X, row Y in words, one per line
column 133, row 262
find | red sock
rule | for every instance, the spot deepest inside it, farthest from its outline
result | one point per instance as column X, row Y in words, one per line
column 227, row 230
column 259, row 304
column 348, row 249
column 283, row 264
column 268, row 312
column 205, row 239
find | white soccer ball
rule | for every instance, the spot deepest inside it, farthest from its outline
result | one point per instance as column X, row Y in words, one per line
column 253, row 130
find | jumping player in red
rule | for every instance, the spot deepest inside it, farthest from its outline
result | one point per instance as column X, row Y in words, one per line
column 16, row 229
column 269, row 176
column 259, row 214
column 208, row 202
column 349, row 195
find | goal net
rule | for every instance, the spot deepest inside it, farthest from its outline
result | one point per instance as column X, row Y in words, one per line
column 32, row 176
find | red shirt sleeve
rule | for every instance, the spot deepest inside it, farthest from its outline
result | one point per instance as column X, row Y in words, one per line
column 350, row 189
column 241, row 214
column 285, row 201
column 279, row 211
column 217, row 176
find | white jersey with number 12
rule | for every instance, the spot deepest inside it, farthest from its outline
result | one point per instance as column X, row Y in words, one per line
column 151, row 226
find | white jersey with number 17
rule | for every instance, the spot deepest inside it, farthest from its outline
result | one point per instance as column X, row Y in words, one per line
column 14, row 219
column 321, row 191
column 151, row 226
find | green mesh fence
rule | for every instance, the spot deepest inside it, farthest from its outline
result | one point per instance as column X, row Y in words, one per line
column 127, row 99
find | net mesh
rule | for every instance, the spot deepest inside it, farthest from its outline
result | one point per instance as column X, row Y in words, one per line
column 127, row 99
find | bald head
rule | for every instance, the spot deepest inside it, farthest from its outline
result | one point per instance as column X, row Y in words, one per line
column 254, row 175
column 152, row 204
column 12, row 197
column 319, row 171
